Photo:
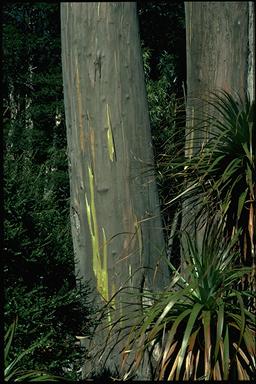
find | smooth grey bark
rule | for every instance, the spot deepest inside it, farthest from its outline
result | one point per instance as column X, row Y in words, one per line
column 217, row 46
column 219, row 57
column 217, row 51
column 116, row 225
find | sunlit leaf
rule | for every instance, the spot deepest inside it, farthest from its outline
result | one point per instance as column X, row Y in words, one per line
column 192, row 318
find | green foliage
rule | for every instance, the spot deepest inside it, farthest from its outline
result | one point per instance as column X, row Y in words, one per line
column 203, row 326
column 165, row 73
column 39, row 266
column 37, row 229
column 167, row 22
column 200, row 327
column 51, row 323
column 220, row 175
column 167, row 118
column 12, row 370
column 161, row 94
column 32, row 80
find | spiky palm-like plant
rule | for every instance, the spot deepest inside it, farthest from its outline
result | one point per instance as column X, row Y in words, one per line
column 220, row 176
column 200, row 325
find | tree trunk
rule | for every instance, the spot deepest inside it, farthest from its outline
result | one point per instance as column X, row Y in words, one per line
column 217, row 47
column 116, row 225
column 218, row 35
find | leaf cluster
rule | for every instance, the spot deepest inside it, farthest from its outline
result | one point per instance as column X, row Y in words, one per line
column 200, row 328
column 221, row 173
column 51, row 323
column 12, row 369
column 203, row 325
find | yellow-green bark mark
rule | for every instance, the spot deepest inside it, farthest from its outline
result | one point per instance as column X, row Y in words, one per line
column 104, row 270
column 100, row 268
column 130, row 273
column 110, row 140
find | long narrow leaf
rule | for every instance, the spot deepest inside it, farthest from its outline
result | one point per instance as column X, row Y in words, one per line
column 8, row 338
column 206, row 318
column 220, row 322
column 226, row 357
column 192, row 318
column 172, row 332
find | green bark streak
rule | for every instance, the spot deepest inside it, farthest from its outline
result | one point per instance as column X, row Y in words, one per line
column 100, row 268
column 110, row 140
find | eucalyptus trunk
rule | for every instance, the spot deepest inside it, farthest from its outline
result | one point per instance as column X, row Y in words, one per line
column 115, row 216
column 220, row 56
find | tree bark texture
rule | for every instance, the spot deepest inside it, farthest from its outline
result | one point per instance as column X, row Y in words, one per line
column 217, row 47
column 219, row 57
column 217, row 52
column 116, row 225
